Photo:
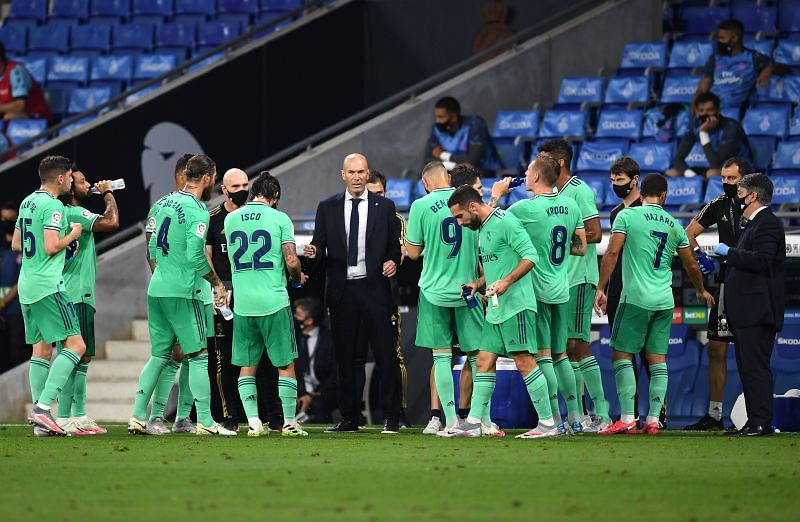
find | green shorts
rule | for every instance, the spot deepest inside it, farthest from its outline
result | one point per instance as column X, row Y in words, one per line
column 50, row 319
column 85, row 313
column 436, row 325
column 176, row 320
column 274, row 332
column 515, row 334
column 636, row 328
column 209, row 313
column 579, row 321
column 551, row 326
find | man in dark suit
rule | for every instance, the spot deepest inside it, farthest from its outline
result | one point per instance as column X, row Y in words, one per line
column 754, row 283
column 316, row 363
column 356, row 238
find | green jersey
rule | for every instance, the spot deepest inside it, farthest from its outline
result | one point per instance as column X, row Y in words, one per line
column 40, row 274
column 652, row 237
column 80, row 271
column 451, row 251
column 582, row 269
column 202, row 287
column 256, row 234
column 178, row 246
column 550, row 220
column 502, row 243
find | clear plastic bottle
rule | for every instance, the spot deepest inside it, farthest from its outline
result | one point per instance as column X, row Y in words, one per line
column 117, row 184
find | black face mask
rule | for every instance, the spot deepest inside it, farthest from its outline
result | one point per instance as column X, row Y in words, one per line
column 724, row 49
column 299, row 324
column 7, row 227
column 730, row 190
column 621, row 191
column 443, row 127
column 238, row 198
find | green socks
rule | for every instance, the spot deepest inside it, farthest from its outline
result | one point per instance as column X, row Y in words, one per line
column 658, row 390
column 37, row 374
column 287, row 391
column 626, row 388
column 147, row 383
column 65, row 397
column 185, row 397
column 537, row 389
column 63, row 365
column 590, row 371
column 200, row 387
column 249, row 395
column 566, row 385
column 546, row 366
column 482, row 388
column 79, row 390
column 163, row 388
column 443, row 375
column 576, row 370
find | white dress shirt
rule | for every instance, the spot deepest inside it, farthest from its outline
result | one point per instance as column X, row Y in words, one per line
column 311, row 343
column 360, row 270
column 754, row 214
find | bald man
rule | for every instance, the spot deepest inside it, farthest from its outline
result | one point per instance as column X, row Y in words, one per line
column 357, row 240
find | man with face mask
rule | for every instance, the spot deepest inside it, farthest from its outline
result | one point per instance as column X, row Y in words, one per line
column 458, row 139
column 724, row 212
column 13, row 350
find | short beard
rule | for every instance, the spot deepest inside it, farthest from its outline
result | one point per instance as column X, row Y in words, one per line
column 207, row 193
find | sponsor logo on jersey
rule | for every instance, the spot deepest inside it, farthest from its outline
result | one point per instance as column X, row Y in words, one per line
column 87, row 214
column 55, row 219
column 200, row 231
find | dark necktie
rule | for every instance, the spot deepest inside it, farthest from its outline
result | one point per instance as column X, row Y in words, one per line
column 352, row 243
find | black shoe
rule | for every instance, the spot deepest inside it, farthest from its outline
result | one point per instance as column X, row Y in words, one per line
column 230, row 424
column 403, row 422
column 732, row 430
column 756, row 431
column 390, row 427
column 343, row 426
column 707, row 423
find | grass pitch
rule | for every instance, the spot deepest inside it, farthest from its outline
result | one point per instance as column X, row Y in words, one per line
column 368, row 476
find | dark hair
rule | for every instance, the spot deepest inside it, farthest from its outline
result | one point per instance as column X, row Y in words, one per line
column 653, row 185
column 199, row 165
column 53, row 166
column 464, row 195
column 449, row 104
column 311, row 307
column 559, row 149
column 180, row 166
column 265, row 185
column 760, row 185
column 463, row 175
column 625, row 165
column 376, row 177
column 732, row 24
column 745, row 167
column 706, row 97
column 9, row 204
column 548, row 170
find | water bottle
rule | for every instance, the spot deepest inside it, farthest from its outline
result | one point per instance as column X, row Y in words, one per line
column 469, row 297
column 493, row 300
column 117, row 184
column 224, row 311
column 295, row 284
column 516, row 181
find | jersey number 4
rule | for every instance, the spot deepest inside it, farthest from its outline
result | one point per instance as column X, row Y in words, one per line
column 162, row 242
column 258, row 263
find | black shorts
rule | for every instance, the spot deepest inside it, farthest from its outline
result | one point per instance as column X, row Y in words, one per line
column 715, row 328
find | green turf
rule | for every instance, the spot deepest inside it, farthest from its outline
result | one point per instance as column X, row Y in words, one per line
column 366, row 476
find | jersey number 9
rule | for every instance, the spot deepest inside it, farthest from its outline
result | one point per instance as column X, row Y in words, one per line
column 451, row 235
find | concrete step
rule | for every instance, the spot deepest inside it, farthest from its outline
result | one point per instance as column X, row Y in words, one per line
column 105, row 391
column 127, row 350
column 101, row 411
column 140, row 330
column 114, row 371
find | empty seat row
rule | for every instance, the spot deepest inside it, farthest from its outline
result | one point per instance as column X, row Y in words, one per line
column 756, row 16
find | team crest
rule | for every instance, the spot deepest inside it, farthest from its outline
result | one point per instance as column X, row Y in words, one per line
column 151, row 223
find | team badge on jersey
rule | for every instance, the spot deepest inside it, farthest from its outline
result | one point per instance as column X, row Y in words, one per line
column 87, row 214
column 151, row 225
column 55, row 219
column 201, row 230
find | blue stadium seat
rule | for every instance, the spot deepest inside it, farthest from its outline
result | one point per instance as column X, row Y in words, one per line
column 487, row 191
column 713, row 189
column 418, row 190
column 266, row 17
column 733, row 385
column 785, row 361
column 70, row 71
column 91, row 39
column 781, row 90
column 26, row 12
column 619, row 124
column 78, row 124
column 133, row 38
column 140, row 94
column 786, row 189
column 214, row 34
column 48, row 41
column 598, row 182
column 517, row 194
column 280, row 5
column 794, row 124
column 703, row 20
column 624, row 90
column 644, row 55
column 756, row 18
column 558, row 124
column 81, row 100
column 151, row 11
column 15, row 38
column 242, row 11
column 688, row 55
column 766, row 121
column 787, row 159
column 148, row 66
column 655, row 128
column 21, row 130
column 684, row 191
column 115, row 71
column 598, row 156
column 601, row 349
column 761, row 148
column 110, row 11
column 788, row 52
column 576, row 91
column 69, row 11
column 37, row 66
column 178, row 36
column 194, row 10
column 652, row 157
column 204, row 62
column 399, row 191
column 679, row 89
column 509, row 127
column 761, row 46
column 697, row 157
column 789, row 16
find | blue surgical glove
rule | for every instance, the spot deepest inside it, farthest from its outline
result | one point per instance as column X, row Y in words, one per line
column 705, row 262
column 722, row 249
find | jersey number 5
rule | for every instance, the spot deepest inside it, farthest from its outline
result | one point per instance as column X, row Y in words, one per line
column 258, row 262
column 28, row 238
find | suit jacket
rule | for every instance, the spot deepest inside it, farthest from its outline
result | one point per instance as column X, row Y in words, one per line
column 755, row 275
column 382, row 244
column 324, row 362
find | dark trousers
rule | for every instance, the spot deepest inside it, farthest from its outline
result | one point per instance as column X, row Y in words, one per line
column 324, row 403
column 358, row 316
column 13, row 350
column 753, row 351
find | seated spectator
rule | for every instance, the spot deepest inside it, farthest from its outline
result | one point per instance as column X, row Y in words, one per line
column 460, row 139
column 720, row 137
column 315, row 365
column 13, row 350
column 20, row 95
column 734, row 70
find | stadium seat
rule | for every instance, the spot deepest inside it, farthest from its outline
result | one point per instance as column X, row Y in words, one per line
column 15, row 38
column 733, row 385
column 57, row 98
column 684, row 191
column 781, row 90
column 71, row 71
column 214, row 34
column 762, row 149
column 151, row 11
column 618, row 124
column 133, row 38
column 267, row 17
column 761, row 46
column 37, row 66
column 48, row 41
column 697, row 157
column 487, row 191
column 644, row 55
column 601, row 349
column 21, row 130
column 787, row 159
column 652, row 157
column 656, row 128
column 68, row 11
column 110, row 11
column 785, row 361
column 786, row 189
column 679, row 89
column 280, row 5
column 176, row 37
column 242, row 11
column 82, row 100
column 794, row 124
column 789, row 16
column 114, row 71
column 559, row 124
column 26, row 13
column 509, row 128
column 399, row 191
column 598, row 182
column 91, row 39
column 578, row 91
column 788, row 52
column 418, row 190
column 148, row 66
column 713, row 189
column 625, row 90
column 703, row 20
column 194, row 10
column 78, row 124
column 756, row 18
column 598, row 156
column 140, row 94
column 517, row 194
column 766, row 121
column 688, row 55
